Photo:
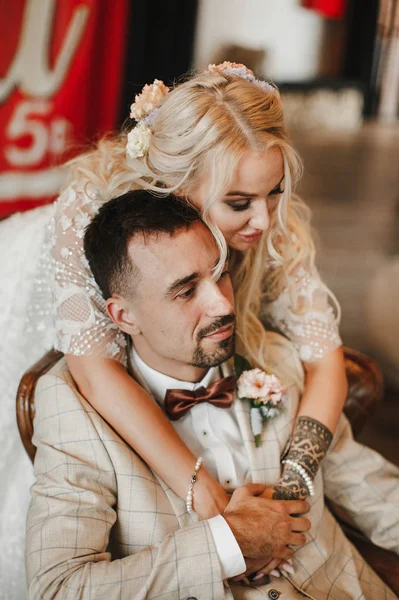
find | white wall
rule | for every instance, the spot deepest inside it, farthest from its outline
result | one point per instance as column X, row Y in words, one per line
column 291, row 34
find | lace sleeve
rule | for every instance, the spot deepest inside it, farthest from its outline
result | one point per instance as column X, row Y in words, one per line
column 304, row 313
column 82, row 324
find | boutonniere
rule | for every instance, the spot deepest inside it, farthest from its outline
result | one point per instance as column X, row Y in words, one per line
column 264, row 391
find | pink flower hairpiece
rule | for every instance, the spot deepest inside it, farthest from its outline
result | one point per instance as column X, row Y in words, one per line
column 143, row 110
column 148, row 100
column 240, row 70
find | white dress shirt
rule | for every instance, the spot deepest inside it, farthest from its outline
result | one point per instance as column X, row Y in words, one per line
column 214, row 434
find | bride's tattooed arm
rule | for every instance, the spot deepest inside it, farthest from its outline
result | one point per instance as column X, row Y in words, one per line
column 309, row 445
column 291, row 486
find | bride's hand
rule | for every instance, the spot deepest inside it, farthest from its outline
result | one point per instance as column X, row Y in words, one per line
column 257, row 569
column 282, row 491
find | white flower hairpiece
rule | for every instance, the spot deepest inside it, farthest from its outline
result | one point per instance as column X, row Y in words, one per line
column 138, row 140
column 143, row 110
column 240, row 70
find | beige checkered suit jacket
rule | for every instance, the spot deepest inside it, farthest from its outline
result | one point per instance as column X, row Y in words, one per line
column 102, row 525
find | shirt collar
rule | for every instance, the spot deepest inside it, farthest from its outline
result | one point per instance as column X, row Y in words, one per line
column 159, row 383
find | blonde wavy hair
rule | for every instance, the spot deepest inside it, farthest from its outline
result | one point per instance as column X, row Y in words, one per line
column 204, row 125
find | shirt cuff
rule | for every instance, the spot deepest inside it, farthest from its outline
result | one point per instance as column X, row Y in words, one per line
column 230, row 556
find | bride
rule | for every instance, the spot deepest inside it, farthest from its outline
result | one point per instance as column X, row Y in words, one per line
column 218, row 141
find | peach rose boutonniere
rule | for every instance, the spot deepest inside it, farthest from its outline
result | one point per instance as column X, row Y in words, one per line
column 264, row 391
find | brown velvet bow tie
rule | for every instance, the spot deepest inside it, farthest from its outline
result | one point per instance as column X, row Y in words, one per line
column 220, row 394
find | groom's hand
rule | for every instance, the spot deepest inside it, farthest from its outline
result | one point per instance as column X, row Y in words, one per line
column 264, row 528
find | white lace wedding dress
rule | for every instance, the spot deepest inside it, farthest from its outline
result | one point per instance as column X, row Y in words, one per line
column 49, row 297
column 21, row 241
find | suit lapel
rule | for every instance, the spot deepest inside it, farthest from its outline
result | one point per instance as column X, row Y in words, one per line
column 242, row 412
column 179, row 506
column 265, row 461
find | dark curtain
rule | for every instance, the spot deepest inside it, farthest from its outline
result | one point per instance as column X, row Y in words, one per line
column 362, row 53
column 159, row 45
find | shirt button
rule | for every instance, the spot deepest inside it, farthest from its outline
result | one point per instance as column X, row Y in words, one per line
column 274, row 594
column 227, row 481
column 204, row 432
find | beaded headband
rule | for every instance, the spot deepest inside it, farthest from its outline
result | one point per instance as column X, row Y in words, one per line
column 240, row 70
column 146, row 104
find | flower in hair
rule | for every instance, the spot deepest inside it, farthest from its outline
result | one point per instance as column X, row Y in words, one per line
column 138, row 141
column 231, row 68
column 149, row 120
column 148, row 100
column 240, row 70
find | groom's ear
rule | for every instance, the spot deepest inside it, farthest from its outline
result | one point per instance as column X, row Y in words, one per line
column 122, row 314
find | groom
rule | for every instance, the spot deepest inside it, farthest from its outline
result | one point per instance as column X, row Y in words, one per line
column 101, row 524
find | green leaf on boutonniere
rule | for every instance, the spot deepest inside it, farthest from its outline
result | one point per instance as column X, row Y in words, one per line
column 240, row 365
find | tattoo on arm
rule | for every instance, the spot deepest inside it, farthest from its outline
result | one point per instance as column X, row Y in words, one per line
column 290, row 487
column 309, row 445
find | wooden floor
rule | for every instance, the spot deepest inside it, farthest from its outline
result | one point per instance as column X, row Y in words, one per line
column 351, row 184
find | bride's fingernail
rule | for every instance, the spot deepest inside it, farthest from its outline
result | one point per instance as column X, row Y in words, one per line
column 258, row 576
column 275, row 573
column 290, row 561
column 288, row 568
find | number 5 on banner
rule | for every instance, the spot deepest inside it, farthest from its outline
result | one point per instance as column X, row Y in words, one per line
column 46, row 137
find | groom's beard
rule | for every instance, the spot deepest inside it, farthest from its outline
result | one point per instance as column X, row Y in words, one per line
column 222, row 351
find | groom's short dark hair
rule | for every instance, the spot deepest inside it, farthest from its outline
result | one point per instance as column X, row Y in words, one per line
column 137, row 212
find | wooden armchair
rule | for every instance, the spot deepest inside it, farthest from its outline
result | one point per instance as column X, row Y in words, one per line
column 365, row 392
column 26, row 398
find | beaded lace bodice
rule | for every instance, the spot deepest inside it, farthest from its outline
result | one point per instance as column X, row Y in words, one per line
column 302, row 311
column 82, row 324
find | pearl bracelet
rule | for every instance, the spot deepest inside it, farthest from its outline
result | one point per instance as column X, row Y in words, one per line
column 302, row 472
column 189, row 499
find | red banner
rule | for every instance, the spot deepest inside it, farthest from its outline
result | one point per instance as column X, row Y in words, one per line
column 332, row 9
column 61, row 64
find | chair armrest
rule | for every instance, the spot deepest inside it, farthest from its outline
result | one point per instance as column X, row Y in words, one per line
column 365, row 388
column 25, row 398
